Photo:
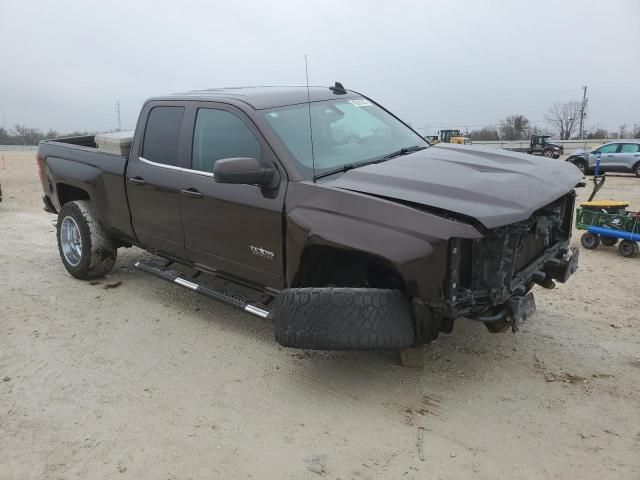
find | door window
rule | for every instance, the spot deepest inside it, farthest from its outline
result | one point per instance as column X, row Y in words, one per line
column 611, row 148
column 161, row 135
column 630, row 148
column 220, row 134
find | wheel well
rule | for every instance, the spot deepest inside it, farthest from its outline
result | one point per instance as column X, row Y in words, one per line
column 324, row 266
column 69, row 193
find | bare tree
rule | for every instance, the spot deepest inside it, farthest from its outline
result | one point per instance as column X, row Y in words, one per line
column 565, row 118
column 485, row 133
column 515, row 127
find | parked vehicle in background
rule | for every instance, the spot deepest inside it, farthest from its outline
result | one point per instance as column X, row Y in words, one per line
column 449, row 136
column 351, row 230
column 618, row 156
column 540, row 145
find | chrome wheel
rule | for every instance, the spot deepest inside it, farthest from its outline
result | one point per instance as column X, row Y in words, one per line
column 70, row 241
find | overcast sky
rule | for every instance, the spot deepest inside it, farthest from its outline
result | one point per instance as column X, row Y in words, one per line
column 439, row 64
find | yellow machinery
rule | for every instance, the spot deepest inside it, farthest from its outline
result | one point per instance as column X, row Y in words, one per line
column 450, row 136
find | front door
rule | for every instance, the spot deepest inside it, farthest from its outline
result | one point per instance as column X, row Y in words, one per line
column 236, row 229
column 153, row 181
column 607, row 154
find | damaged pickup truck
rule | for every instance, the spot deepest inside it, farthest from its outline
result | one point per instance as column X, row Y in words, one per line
column 354, row 232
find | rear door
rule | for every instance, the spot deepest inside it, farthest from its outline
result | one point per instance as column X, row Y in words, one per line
column 236, row 229
column 629, row 155
column 153, row 176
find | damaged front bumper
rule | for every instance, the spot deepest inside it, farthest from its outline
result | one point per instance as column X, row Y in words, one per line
column 490, row 279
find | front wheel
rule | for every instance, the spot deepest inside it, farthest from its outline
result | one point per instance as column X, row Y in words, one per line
column 628, row 248
column 590, row 241
column 547, row 153
column 582, row 166
column 636, row 169
column 85, row 248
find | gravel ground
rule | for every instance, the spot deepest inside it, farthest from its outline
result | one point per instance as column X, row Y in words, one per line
column 147, row 380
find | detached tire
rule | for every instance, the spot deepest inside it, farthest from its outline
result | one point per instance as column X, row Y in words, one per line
column 343, row 319
column 628, row 248
column 85, row 249
column 590, row 241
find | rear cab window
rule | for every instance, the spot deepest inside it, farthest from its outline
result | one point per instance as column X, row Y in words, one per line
column 161, row 135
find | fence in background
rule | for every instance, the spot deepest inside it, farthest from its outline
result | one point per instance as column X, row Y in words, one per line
column 569, row 145
column 18, row 148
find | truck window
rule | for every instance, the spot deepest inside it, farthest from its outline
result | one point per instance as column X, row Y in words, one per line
column 220, row 134
column 161, row 135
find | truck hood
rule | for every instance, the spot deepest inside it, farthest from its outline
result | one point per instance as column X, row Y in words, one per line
column 496, row 187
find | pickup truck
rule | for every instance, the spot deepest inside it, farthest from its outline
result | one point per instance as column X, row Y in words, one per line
column 356, row 232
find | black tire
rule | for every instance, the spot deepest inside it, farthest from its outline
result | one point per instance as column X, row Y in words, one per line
column 343, row 319
column 98, row 253
column 608, row 241
column 547, row 154
column 582, row 166
column 628, row 248
column 636, row 169
column 590, row 241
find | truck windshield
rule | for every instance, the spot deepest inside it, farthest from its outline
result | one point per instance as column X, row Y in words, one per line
column 345, row 132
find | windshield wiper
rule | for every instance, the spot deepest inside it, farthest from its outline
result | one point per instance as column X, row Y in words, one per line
column 342, row 169
column 403, row 151
column 351, row 166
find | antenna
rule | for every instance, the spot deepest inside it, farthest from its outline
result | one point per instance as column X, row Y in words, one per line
column 118, row 115
column 313, row 160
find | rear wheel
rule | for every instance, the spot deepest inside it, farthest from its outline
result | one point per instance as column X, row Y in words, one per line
column 609, row 241
column 636, row 169
column 590, row 241
column 85, row 249
column 628, row 249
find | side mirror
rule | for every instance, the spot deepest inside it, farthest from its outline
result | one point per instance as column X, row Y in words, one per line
column 244, row 171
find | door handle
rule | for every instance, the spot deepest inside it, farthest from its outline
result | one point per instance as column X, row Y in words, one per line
column 138, row 181
column 191, row 193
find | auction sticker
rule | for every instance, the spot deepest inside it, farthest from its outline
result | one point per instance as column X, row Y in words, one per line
column 360, row 103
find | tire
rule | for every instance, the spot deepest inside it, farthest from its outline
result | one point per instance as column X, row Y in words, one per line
column 90, row 253
column 343, row 319
column 582, row 166
column 628, row 248
column 636, row 169
column 608, row 241
column 590, row 241
column 547, row 154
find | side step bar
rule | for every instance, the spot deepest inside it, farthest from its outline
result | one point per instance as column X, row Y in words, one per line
column 215, row 293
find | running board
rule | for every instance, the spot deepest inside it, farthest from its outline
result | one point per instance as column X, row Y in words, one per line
column 215, row 293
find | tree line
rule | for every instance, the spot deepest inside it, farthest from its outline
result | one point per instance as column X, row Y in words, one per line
column 564, row 119
column 22, row 135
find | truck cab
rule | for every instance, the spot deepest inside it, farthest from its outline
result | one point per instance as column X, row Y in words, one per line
column 540, row 145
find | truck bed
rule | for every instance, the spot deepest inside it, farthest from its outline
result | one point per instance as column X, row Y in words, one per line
column 75, row 163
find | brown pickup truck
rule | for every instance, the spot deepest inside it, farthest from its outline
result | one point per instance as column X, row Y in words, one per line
column 353, row 230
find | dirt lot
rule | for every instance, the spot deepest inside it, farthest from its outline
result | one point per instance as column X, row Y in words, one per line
column 146, row 380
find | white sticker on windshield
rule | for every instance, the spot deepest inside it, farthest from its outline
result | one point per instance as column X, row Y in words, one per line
column 360, row 103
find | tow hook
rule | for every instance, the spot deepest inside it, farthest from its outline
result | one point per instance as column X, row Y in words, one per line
column 543, row 280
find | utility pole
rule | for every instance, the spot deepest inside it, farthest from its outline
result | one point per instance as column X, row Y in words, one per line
column 118, row 116
column 582, row 109
column 4, row 124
